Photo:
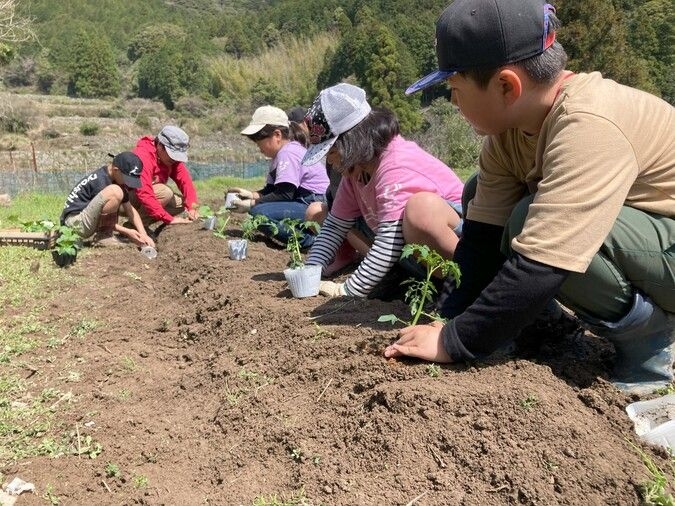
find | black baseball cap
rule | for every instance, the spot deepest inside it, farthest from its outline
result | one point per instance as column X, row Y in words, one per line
column 474, row 34
column 130, row 166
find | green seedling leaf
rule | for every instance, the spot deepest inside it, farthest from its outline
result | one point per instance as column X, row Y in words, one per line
column 388, row 318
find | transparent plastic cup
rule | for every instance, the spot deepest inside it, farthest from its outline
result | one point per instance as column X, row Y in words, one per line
column 149, row 252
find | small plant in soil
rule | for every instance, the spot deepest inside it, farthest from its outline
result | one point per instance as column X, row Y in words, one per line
column 655, row 490
column 421, row 293
column 140, row 481
column 295, row 228
column 251, row 225
column 38, row 226
column 68, row 243
column 529, row 402
column 112, row 470
column 221, row 225
column 434, row 370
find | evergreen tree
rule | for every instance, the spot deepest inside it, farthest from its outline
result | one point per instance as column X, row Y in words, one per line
column 92, row 68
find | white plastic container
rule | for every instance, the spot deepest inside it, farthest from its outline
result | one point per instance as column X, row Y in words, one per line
column 210, row 223
column 304, row 282
column 654, row 420
column 237, row 248
column 229, row 197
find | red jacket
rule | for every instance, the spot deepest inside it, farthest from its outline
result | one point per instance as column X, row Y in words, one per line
column 154, row 172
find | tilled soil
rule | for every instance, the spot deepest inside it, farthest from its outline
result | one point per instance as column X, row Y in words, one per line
column 208, row 379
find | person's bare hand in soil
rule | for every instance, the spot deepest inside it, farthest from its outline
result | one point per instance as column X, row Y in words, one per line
column 421, row 341
column 178, row 220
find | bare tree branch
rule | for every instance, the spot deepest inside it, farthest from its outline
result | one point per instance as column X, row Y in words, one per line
column 14, row 28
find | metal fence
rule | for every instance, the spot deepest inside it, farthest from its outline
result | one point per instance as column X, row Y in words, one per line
column 16, row 180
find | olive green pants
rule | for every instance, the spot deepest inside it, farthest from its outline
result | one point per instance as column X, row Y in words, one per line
column 638, row 253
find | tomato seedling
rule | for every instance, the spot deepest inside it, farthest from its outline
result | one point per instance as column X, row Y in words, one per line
column 250, row 226
column 421, row 292
column 295, row 228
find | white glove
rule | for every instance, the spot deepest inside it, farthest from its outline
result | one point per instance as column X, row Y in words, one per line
column 241, row 206
column 243, row 193
column 331, row 289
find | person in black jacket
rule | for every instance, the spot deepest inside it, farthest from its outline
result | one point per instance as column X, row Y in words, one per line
column 92, row 206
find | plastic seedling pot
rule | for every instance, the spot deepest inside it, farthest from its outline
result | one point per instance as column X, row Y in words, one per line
column 63, row 259
column 210, row 223
column 237, row 248
column 229, row 197
column 149, row 252
column 654, row 420
column 304, row 281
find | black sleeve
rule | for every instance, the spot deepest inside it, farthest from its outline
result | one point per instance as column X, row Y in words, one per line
column 280, row 192
column 513, row 299
column 479, row 258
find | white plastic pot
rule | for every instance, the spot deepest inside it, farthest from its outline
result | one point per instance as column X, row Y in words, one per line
column 304, row 281
column 654, row 420
column 237, row 248
column 229, row 197
column 210, row 223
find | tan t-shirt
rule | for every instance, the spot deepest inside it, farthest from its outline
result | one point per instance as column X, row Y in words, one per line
column 602, row 146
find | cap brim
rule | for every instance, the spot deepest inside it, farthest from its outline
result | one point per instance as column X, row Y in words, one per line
column 316, row 152
column 428, row 80
column 252, row 129
column 177, row 156
column 131, row 181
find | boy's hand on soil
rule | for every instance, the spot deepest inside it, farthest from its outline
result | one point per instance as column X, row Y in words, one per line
column 331, row 289
column 241, row 206
column 243, row 193
column 177, row 220
column 421, row 341
column 193, row 214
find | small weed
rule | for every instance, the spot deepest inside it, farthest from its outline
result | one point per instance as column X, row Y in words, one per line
column 296, row 454
column 231, row 396
column 133, row 276
column 529, row 402
column 50, row 497
column 73, row 376
column 140, row 481
column 320, row 333
column 83, row 328
column 112, row 470
column 316, row 460
column 164, row 326
column 128, row 364
column 297, row 499
column 124, row 394
column 434, row 370
column 667, row 390
column 85, row 446
column 654, row 491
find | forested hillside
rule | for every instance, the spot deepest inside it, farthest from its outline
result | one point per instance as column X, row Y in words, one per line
column 241, row 54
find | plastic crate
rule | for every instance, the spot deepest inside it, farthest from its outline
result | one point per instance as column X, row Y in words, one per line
column 38, row 240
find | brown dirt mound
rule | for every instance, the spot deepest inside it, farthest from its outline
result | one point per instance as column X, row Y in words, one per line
column 234, row 390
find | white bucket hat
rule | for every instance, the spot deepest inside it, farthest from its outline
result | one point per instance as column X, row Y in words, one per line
column 334, row 111
column 265, row 115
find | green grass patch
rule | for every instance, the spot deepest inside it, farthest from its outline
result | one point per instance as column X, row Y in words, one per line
column 19, row 283
column 19, row 335
column 32, row 206
column 297, row 499
column 213, row 189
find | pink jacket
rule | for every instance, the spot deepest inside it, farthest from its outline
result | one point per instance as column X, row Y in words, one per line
column 154, row 172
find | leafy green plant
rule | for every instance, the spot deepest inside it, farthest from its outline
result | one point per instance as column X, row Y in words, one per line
column 530, row 402
column 221, row 225
column 37, row 226
column 295, row 228
column 68, row 242
column 251, row 225
column 140, row 481
column 420, row 293
column 434, row 370
column 112, row 470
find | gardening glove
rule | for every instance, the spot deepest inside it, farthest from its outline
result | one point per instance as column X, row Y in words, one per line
column 241, row 206
column 331, row 289
column 243, row 193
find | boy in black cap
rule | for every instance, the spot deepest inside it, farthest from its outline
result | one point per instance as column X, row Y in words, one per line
column 92, row 206
column 575, row 197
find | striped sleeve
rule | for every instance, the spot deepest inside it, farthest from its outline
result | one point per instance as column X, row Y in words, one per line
column 332, row 234
column 384, row 253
